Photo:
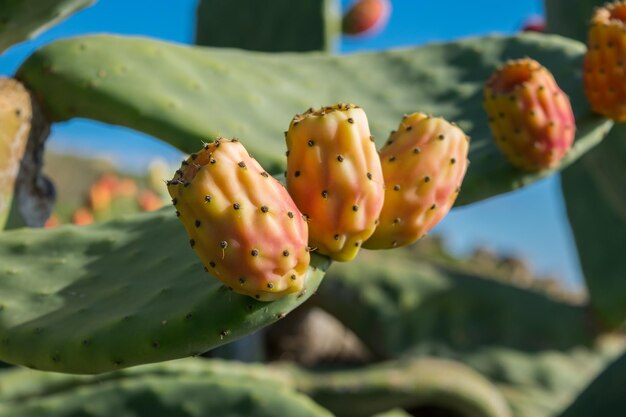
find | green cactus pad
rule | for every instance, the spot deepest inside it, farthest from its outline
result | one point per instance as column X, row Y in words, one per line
column 269, row 25
column 25, row 19
column 184, row 95
column 170, row 395
column 408, row 383
column 97, row 298
column 403, row 302
column 359, row 392
column 596, row 206
column 604, row 396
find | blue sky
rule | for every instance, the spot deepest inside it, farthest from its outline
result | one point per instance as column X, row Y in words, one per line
column 530, row 223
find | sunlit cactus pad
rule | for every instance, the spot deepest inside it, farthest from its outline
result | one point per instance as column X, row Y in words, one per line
column 187, row 94
column 98, row 298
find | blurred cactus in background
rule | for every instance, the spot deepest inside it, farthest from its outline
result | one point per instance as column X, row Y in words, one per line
column 408, row 331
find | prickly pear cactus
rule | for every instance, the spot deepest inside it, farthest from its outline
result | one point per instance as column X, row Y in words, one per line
column 166, row 394
column 594, row 193
column 15, row 115
column 335, row 177
column 360, row 392
column 26, row 196
column 424, row 162
column 96, row 298
column 21, row 20
column 530, row 117
column 114, row 79
column 241, row 222
column 268, row 25
column 604, row 61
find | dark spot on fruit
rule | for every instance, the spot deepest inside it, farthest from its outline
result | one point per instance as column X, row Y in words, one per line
column 452, row 161
column 293, row 277
column 207, row 198
column 355, row 208
column 396, row 220
column 264, row 209
column 369, row 175
column 296, row 174
column 417, row 150
column 426, row 178
column 350, row 120
column 197, row 223
column 290, row 214
column 391, row 159
column 441, row 137
column 177, row 213
column 254, row 252
column 434, row 206
column 396, row 187
column 192, row 243
column 311, row 142
column 242, row 280
column 324, row 194
column 339, row 158
column 212, row 161
column 223, row 244
column 194, row 156
column 336, row 237
column 265, row 174
column 174, row 201
column 285, row 253
column 270, row 285
column 236, row 206
column 242, row 164
column 212, row 264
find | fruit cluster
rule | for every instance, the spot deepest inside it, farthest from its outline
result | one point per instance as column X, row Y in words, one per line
column 343, row 195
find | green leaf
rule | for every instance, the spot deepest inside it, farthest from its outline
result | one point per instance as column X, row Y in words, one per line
column 184, row 95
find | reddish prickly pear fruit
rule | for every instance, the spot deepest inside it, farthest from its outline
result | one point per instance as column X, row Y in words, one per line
column 82, row 217
column 52, row 222
column 534, row 24
column 604, row 72
column 366, row 17
column 530, row 118
column 424, row 163
column 334, row 176
column 149, row 201
column 241, row 222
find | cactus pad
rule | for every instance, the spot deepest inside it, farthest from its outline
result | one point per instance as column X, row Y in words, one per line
column 21, row 20
column 184, row 95
column 97, row 298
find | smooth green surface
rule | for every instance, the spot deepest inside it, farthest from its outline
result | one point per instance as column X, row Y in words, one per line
column 121, row 293
column 395, row 303
column 595, row 198
column 24, row 19
column 269, row 25
column 184, row 95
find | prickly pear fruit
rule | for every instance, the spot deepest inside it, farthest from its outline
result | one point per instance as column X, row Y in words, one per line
column 241, row 222
column 530, row 118
column 604, row 66
column 424, row 163
column 366, row 17
column 334, row 176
